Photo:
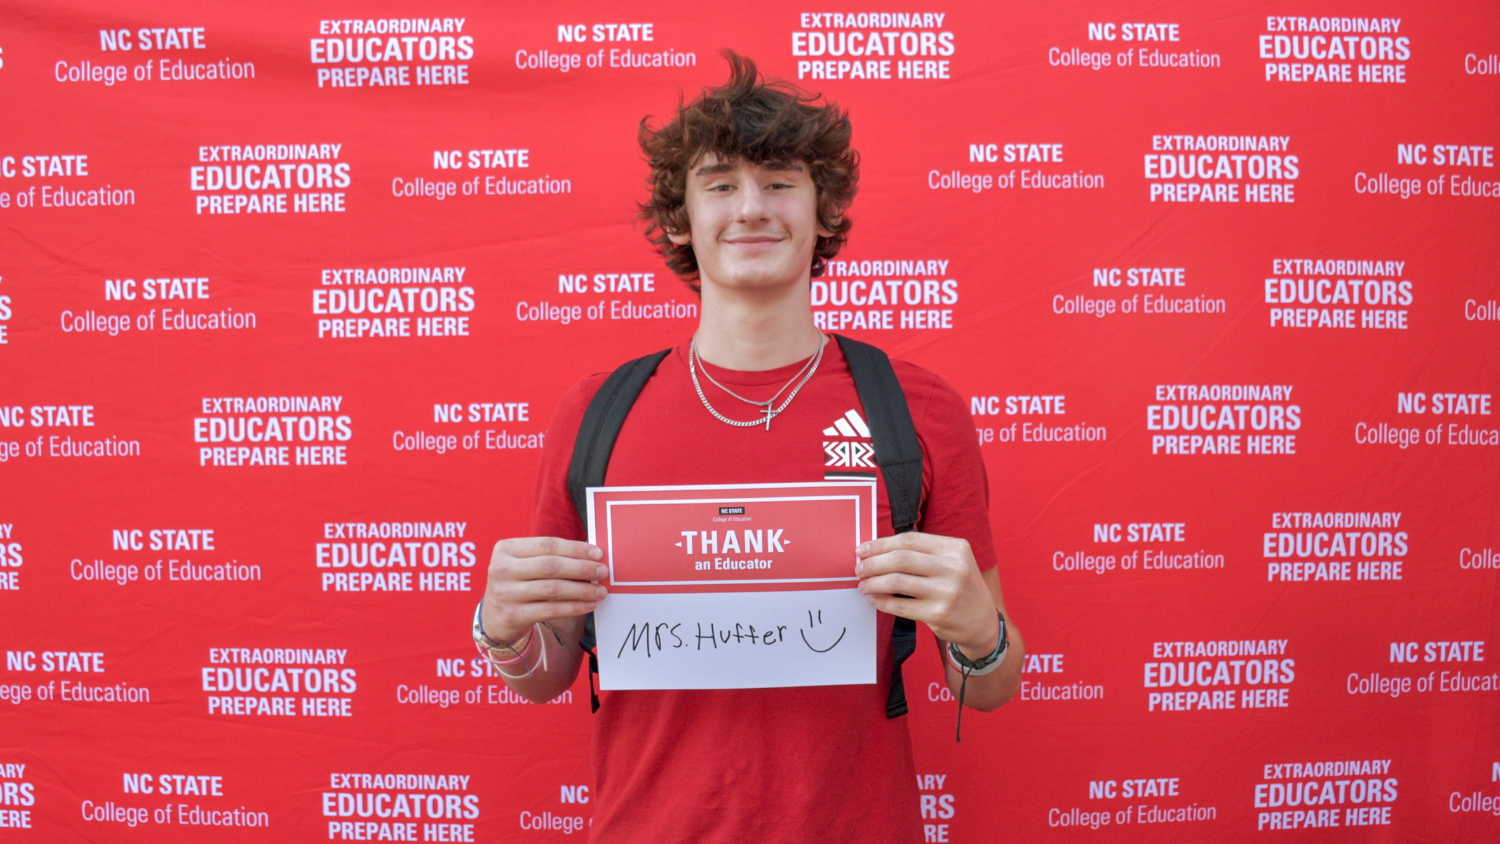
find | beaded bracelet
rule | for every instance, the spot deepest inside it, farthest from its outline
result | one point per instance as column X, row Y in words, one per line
column 524, row 656
column 506, row 653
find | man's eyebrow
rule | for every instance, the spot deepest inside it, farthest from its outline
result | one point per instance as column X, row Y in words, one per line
column 784, row 165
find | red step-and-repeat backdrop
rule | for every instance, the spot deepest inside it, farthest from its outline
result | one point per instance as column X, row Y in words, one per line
column 287, row 296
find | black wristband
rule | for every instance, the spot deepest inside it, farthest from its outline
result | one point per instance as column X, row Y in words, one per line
column 984, row 664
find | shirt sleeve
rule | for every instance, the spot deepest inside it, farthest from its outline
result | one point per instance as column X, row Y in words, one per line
column 555, row 514
column 956, row 485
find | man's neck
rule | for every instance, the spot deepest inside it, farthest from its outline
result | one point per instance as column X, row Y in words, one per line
column 758, row 329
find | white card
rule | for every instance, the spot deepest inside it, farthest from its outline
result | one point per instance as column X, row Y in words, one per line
column 733, row 587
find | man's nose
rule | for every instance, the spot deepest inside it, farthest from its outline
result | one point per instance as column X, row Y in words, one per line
column 752, row 205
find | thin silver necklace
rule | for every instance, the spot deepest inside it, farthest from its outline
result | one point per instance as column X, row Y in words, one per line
column 767, row 407
column 712, row 380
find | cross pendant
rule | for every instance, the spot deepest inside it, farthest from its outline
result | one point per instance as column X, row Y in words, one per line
column 769, row 414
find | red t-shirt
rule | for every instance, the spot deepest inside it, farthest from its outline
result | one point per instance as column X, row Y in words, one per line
column 817, row 763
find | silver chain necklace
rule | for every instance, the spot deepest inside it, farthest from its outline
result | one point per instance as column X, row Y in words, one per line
column 766, row 406
column 712, row 380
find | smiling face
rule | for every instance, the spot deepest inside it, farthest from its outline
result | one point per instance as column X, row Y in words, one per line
column 752, row 226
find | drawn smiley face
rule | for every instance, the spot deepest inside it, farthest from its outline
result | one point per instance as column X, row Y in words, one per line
column 813, row 623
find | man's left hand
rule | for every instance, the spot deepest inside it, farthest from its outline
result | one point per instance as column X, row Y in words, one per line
column 942, row 585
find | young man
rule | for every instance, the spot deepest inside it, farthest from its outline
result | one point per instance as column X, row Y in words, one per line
column 750, row 184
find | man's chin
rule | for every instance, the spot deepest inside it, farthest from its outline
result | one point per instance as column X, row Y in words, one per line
column 755, row 278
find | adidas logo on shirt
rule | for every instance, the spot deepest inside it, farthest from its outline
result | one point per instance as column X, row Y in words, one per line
column 849, row 454
column 848, row 425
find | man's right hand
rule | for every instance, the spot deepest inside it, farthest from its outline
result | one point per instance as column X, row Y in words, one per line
column 540, row 578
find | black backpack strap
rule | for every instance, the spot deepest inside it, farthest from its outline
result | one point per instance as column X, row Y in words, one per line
column 590, row 645
column 898, row 453
column 596, row 440
column 903, row 645
column 601, row 425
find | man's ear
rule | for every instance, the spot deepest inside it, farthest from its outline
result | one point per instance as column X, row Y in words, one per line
column 822, row 232
column 682, row 239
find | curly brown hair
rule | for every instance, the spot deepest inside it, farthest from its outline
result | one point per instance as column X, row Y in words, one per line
column 750, row 119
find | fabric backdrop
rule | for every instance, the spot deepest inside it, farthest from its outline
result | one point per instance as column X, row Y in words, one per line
column 288, row 294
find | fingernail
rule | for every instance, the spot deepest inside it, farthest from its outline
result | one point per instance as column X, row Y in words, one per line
column 596, row 553
column 859, row 566
column 863, row 549
column 600, row 592
column 603, row 572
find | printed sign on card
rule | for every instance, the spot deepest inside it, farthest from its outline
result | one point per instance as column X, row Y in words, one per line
column 733, row 586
